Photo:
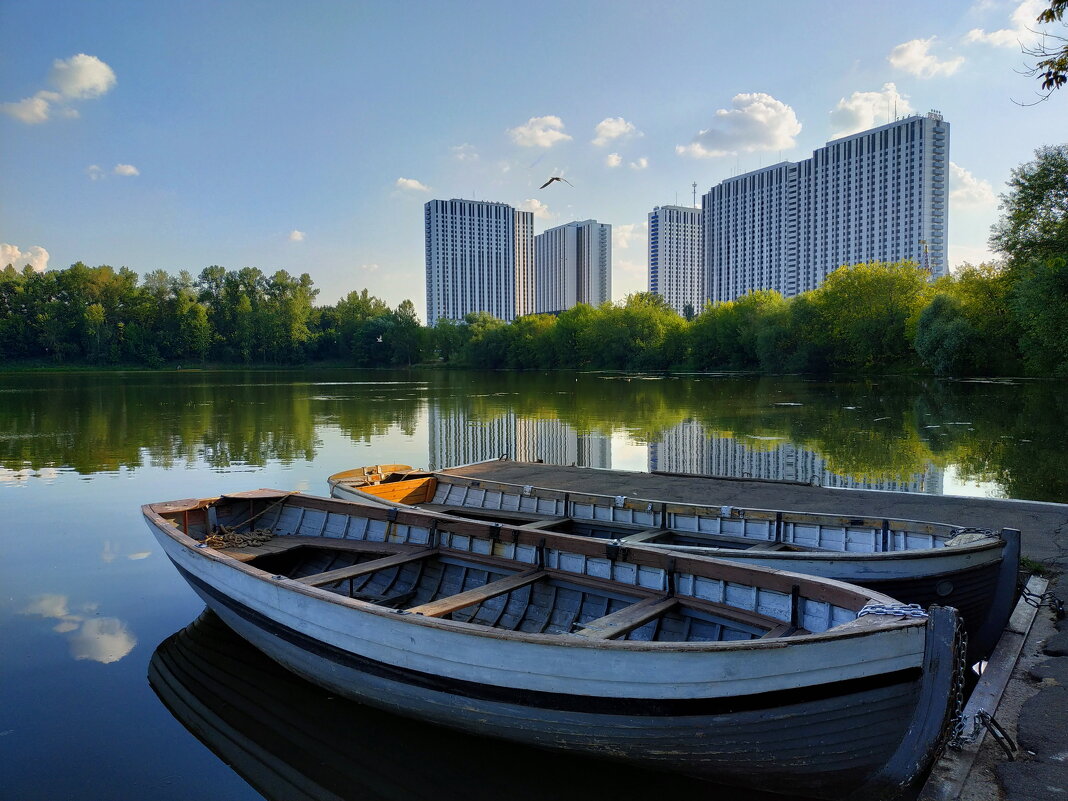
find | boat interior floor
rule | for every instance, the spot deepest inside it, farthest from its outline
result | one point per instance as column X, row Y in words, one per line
column 428, row 582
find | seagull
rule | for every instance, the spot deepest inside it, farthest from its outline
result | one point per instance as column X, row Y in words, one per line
column 379, row 338
column 556, row 178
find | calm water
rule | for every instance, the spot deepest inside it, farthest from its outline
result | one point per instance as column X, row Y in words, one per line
column 86, row 599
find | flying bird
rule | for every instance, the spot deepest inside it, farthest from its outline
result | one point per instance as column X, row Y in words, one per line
column 556, row 178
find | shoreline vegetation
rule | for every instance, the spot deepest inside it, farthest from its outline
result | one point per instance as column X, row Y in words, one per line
column 985, row 320
column 1007, row 318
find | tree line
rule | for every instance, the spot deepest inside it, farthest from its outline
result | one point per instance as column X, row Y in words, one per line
column 1003, row 318
column 100, row 315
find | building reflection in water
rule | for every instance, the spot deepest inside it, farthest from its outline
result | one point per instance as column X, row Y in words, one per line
column 690, row 448
column 457, row 438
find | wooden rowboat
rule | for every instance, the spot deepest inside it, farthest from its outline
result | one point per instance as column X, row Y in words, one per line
column 915, row 561
column 747, row 676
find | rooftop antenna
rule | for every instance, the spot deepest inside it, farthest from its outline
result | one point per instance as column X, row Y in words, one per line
column 695, row 194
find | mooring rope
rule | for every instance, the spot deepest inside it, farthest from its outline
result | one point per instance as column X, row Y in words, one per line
column 230, row 537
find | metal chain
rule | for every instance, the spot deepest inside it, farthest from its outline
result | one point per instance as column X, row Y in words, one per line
column 1037, row 600
column 973, row 530
column 957, row 736
column 901, row 610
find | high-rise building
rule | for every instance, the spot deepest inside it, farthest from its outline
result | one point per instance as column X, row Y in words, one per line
column 878, row 195
column 479, row 257
column 676, row 269
column 572, row 264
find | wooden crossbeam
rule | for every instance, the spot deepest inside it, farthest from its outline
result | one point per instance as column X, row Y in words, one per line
column 626, row 619
column 642, row 536
column 451, row 603
column 362, row 569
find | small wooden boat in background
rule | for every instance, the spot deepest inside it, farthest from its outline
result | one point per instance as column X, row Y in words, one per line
column 914, row 561
column 745, row 676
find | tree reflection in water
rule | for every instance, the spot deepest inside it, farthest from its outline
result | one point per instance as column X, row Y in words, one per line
column 877, row 432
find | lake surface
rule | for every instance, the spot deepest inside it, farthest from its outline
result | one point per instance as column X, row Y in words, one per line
column 88, row 604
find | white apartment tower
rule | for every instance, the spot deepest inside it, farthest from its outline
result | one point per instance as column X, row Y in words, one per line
column 572, row 264
column 479, row 257
column 878, row 195
column 676, row 269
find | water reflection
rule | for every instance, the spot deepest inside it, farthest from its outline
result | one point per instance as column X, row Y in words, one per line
column 900, row 433
column 100, row 639
column 289, row 739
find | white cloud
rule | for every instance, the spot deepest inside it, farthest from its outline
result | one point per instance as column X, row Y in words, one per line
column 54, row 606
column 36, row 257
column 102, row 639
column 1024, row 22
column 126, row 169
column 611, row 128
column 756, row 122
column 82, row 76
column 412, row 185
column 914, row 58
column 967, row 190
column 464, row 152
column 640, row 164
column 369, row 268
column 629, row 277
column 539, row 132
column 864, row 110
column 296, row 236
column 972, row 254
column 79, row 77
column 623, row 236
column 540, row 210
column 95, row 172
column 31, row 110
column 613, row 160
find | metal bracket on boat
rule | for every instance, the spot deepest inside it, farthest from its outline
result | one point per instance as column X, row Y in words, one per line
column 495, row 532
column 432, row 535
column 620, row 501
column 527, row 489
column 900, row 610
column 391, row 515
column 614, row 551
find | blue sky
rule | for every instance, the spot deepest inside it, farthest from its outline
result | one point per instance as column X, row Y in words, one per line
column 307, row 137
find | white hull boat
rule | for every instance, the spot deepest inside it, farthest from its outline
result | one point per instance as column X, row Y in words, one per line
column 741, row 675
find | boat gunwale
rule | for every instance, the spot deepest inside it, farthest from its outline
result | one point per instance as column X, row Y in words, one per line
column 860, row 627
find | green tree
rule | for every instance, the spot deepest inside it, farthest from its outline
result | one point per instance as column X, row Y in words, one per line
column 1040, row 304
column 868, row 312
column 1034, row 222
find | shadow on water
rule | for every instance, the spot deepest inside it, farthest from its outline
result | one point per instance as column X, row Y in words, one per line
column 292, row 740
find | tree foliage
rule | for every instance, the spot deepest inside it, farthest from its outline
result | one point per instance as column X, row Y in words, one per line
column 1034, row 222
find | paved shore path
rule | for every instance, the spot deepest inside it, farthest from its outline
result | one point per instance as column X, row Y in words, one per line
column 1044, row 526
